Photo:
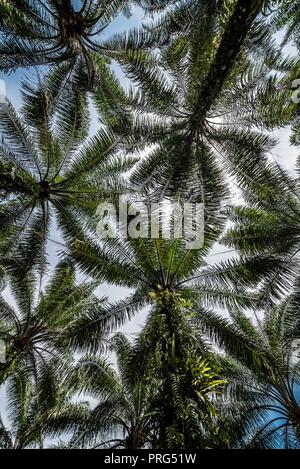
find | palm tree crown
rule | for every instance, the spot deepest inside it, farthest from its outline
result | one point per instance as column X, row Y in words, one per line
column 45, row 325
column 46, row 32
column 262, row 366
column 48, row 168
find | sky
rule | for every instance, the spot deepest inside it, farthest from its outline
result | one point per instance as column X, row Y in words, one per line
column 11, row 85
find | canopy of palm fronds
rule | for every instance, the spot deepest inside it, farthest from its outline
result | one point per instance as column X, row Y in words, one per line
column 47, row 323
column 179, row 110
column 49, row 169
column 262, row 366
column 53, row 32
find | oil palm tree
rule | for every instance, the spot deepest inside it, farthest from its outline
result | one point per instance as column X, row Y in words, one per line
column 39, row 410
column 156, row 264
column 57, row 32
column 287, row 16
column 170, row 279
column 130, row 403
column 49, row 170
column 179, row 19
column 2, row 279
column 197, row 96
column 268, row 224
column 122, row 417
column 261, row 363
column 171, row 349
column 46, row 323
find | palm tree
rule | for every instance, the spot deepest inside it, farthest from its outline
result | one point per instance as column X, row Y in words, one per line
column 49, row 169
column 2, row 279
column 46, row 32
column 37, row 411
column 122, row 417
column 197, row 97
column 49, row 323
column 261, row 363
column 130, row 403
column 164, row 266
column 170, row 279
column 170, row 348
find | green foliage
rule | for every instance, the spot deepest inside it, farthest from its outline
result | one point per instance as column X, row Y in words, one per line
column 37, row 33
column 209, row 85
column 37, row 410
column 47, row 323
column 49, row 169
column 262, row 367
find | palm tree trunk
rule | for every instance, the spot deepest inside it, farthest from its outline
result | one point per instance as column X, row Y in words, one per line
column 172, row 354
column 233, row 38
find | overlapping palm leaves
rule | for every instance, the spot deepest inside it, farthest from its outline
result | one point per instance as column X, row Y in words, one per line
column 181, row 18
column 56, row 32
column 50, row 170
column 122, row 417
column 130, row 412
column 38, row 410
column 46, row 324
column 197, row 101
column 262, row 366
